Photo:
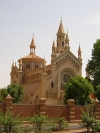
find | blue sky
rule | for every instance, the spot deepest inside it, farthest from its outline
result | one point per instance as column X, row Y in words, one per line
column 20, row 18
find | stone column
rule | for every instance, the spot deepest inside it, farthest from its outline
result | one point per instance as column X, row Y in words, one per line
column 71, row 104
column 8, row 102
column 42, row 106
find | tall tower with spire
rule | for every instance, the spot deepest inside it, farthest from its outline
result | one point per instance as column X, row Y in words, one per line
column 53, row 55
column 61, row 36
column 62, row 42
column 79, row 53
column 32, row 46
column 67, row 47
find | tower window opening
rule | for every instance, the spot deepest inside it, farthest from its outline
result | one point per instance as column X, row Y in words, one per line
column 63, row 44
column 27, row 66
column 31, row 50
column 36, row 66
column 63, row 37
column 57, row 44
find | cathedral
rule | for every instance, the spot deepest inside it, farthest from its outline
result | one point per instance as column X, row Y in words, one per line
column 47, row 81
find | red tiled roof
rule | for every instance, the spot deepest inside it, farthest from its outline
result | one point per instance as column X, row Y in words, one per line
column 33, row 56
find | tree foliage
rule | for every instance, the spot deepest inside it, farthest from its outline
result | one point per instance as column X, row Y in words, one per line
column 79, row 89
column 16, row 91
column 97, row 93
column 93, row 66
column 3, row 94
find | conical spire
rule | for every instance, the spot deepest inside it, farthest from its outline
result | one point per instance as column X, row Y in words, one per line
column 13, row 64
column 79, row 49
column 44, row 61
column 32, row 46
column 67, row 37
column 61, row 29
column 44, row 66
column 53, row 45
column 79, row 53
column 20, row 64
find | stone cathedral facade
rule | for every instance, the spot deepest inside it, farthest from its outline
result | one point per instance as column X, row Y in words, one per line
column 47, row 81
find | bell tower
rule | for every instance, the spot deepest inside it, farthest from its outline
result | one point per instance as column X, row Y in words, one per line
column 61, row 36
column 32, row 46
column 62, row 42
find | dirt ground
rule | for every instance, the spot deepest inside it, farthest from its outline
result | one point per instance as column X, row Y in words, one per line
column 72, row 131
column 74, row 128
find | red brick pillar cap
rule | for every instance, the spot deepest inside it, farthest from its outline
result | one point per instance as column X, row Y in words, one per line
column 71, row 102
column 9, row 97
column 42, row 101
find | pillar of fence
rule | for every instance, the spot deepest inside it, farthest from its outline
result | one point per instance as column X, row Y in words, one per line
column 97, row 109
column 71, row 104
column 8, row 103
column 42, row 106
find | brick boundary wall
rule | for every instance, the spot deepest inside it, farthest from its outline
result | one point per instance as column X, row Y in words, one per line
column 71, row 112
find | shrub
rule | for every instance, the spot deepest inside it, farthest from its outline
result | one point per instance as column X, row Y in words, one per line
column 96, row 126
column 88, row 118
column 40, row 123
column 44, row 124
column 9, row 123
column 59, row 124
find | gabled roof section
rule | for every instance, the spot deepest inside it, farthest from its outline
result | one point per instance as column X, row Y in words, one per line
column 68, row 52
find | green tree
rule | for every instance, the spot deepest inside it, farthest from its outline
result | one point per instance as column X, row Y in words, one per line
column 16, row 91
column 93, row 66
column 3, row 94
column 97, row 93
column 79, row 89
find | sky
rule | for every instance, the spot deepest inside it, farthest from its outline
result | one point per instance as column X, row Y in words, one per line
column 19, row 19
